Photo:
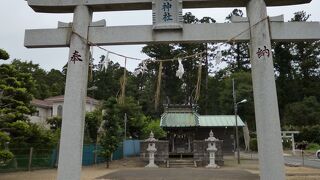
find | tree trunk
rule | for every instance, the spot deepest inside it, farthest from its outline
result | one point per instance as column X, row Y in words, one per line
column 238, row 68
column 206, row 80
column 107, row 163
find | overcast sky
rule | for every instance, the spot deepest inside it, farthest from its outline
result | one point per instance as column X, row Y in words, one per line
column 16, row 16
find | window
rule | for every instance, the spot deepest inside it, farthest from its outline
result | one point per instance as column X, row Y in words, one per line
column 59, row 110
column 36, row 113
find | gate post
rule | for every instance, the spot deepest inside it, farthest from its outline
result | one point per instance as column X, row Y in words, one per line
column 71, row 142
column 271, row 159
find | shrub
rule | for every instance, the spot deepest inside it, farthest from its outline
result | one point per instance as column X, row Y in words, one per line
column 313, row 146
column 254, row 144
column 310, row 134
column 154, row 126
column 5, row 157
column 4, row 138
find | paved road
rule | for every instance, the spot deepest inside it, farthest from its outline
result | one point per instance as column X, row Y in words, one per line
column 308, row 161
column 180, row 173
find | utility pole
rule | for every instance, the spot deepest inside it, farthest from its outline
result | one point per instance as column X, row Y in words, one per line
column 235, row 114
column 236, row 117
column 125, row 126
column 125, row 135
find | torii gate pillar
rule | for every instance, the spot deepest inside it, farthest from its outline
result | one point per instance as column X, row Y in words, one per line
column 271, row 159
column 70, row 155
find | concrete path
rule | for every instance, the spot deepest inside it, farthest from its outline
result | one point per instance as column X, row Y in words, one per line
column 180, row 173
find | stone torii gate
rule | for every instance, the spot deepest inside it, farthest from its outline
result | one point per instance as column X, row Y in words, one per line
column 168, row 28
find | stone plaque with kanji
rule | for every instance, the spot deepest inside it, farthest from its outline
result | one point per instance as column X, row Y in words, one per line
column 167, row 14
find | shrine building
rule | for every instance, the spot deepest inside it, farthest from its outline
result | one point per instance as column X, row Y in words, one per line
column 184, row 126
column 187, row 132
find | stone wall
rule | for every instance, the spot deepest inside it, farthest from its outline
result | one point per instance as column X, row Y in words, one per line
column 222, row 133
column 201, row 155
column 162, row 154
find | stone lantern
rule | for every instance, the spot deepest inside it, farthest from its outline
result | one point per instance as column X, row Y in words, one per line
column 212, row 149
column 151, row 150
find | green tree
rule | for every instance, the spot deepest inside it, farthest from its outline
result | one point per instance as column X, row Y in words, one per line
column 54, row 122
column 310, row 134
column 107, row 82
column 191, row 66
column 111, row 137
column 297, row 69
column 237, row 54
column 55, row 80
column 135, row 117
column 172, row 88
column 15, row 97
column 46, row 83
column 303, row 113
column 213, row 94
column 154, row 126
column 41, row 88
column 145, row 84
column 93, row 121
column 243, row 88
column 306, row 58
column 5, row 154
column 287, row 85
column 4, row 55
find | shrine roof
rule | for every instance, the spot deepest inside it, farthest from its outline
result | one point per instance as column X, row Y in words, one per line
column 189, row 119
column 67, row 6
column 220, row 121
column 179, row 119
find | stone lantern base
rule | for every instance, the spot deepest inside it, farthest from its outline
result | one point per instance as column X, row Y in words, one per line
column 214, row 166
column 151, row 165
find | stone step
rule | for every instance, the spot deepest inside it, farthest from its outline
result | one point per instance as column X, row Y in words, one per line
column 181, row 163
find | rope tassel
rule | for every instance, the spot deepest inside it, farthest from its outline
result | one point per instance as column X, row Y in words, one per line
column 180, row 70
column 157, row 96
column 198, row 86
column 123, row 82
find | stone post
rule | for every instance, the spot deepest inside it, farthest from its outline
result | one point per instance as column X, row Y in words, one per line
column 293, row 144
column 151, row 150
column 271, row 159
column 212, row 149
column 71, row 143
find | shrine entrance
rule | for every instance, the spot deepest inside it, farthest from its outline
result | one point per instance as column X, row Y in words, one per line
column 167, row 27
column 181, row 143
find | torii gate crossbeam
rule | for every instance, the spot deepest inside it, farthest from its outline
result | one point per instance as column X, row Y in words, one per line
column 67, row 6
column 144, row 34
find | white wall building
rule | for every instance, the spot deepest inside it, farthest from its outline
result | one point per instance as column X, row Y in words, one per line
column 53, row 106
